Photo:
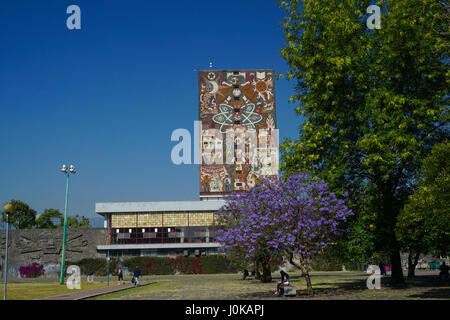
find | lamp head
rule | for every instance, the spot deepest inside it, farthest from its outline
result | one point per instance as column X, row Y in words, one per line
column 64, row 169
column 72, row 169
column 7, row 208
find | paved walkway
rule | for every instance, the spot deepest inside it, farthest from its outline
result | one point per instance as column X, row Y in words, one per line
column 78, row 295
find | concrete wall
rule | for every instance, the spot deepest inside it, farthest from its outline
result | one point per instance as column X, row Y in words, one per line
column 45, row 245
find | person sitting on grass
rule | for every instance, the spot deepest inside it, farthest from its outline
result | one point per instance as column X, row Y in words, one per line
column 283, row 282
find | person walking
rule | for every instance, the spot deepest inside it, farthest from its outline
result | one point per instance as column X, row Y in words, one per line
column 443, row 275
column 119, row 276
column 136, row 274
column 382, row 267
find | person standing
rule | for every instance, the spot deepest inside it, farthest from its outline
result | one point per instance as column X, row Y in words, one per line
column 443, row 275
column 136, row 275
column 119, row 276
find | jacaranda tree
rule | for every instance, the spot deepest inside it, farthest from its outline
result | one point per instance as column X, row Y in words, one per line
column 295, row 215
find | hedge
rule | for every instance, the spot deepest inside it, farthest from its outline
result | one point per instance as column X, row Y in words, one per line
column 94, row 266
column 184, row 265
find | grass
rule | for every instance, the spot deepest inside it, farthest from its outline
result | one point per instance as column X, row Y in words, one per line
column 30, row 290
column 326, row 285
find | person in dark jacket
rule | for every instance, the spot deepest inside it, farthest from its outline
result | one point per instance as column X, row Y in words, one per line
column 119, row 276
column 443, row 275
column 284, row 281
column 136, row 274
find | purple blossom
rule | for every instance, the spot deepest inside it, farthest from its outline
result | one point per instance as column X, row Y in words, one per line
column 31, row 270
column 295, row 213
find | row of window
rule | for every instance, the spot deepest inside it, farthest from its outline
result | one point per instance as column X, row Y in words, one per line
column 162, row 235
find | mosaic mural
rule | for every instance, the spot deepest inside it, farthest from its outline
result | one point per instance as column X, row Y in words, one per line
column 235, row 100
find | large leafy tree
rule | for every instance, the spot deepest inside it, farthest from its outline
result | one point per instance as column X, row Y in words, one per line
column 296, row 216
column 424, row 223
column 373, row 103
column 78, row 222
column 47, row 219
column 21, row 216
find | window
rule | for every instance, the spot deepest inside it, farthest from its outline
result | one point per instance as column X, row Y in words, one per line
column 123, row 236
column 199, row 234
column 149, row 235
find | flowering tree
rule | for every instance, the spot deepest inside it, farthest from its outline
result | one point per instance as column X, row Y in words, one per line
column 247, row 227
column 295, row 215
column 32, row 270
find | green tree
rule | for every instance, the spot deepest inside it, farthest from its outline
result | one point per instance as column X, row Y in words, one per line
column 21, row 216
column 373, row 103
column 423, row 225
column 45, row 220
column 73, row 222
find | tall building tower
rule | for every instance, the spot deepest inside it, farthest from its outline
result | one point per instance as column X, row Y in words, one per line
column 239, row 136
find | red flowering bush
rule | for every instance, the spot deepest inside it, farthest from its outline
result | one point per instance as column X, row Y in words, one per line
column 32, row 270
column 196, row 267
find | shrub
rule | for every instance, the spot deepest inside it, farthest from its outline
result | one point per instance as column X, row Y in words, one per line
column 32, row 270
column 94, row 266
column 218, row 264
column 150, row 265
column 184, row 265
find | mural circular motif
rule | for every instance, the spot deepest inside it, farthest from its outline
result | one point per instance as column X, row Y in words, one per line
column 211, row 86
column 261, row 86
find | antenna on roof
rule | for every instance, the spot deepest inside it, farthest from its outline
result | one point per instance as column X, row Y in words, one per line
column 210, row 64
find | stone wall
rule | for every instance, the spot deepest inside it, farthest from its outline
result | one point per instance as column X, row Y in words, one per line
column 45, row 246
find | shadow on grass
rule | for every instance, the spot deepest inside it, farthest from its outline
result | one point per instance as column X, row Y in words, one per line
column 425, row 287
column 440, row 293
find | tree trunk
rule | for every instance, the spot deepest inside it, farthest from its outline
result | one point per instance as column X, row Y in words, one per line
column 412, row 263
column 267, row 275
column 396, row 269
column 303, row 266
column 258, row 274
column 305, row 271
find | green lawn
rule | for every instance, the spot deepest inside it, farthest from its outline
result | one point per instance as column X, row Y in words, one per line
column 326, row 285
column 28, row 290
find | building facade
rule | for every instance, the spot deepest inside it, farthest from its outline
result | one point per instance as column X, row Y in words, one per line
column 238, row 147
column 238, row 118
column 160, row 228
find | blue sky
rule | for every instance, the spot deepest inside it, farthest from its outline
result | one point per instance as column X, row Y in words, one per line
column 106, row 98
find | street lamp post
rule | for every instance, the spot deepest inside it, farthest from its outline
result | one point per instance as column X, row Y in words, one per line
column 67, row 172
column 107, row 267
column 7, row 208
